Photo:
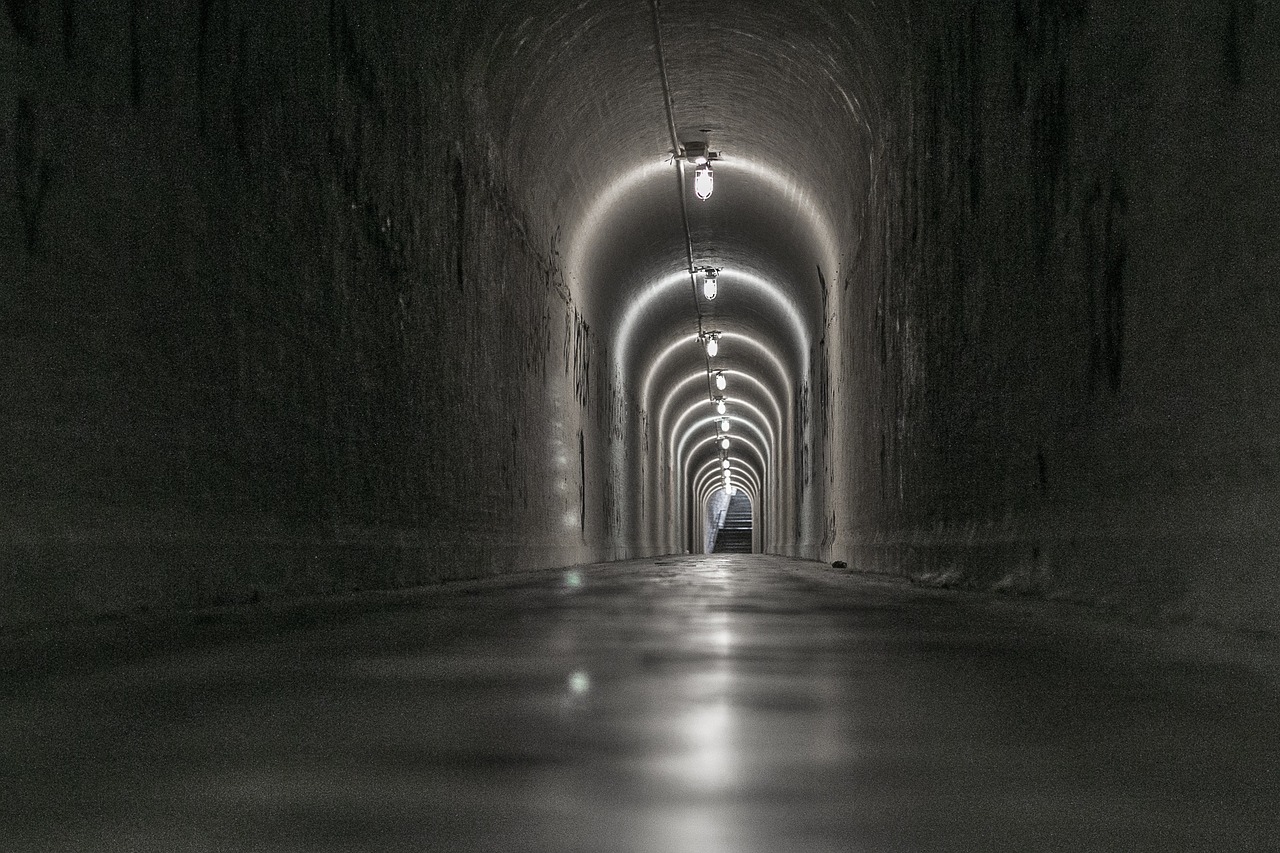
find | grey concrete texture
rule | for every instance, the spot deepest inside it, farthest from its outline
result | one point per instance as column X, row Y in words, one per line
column 316, row 296
column 715, row 703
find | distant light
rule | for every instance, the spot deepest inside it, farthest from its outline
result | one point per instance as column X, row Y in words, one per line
column 724, row 443
column 721, row 382
column 703, row 181
column 725, row 463
column 713, row 344
column 573, row 579
column 579, row 682
column 709, row 286
column 720, row 407
column 724, row 424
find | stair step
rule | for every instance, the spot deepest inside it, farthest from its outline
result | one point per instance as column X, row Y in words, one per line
column 734, row 536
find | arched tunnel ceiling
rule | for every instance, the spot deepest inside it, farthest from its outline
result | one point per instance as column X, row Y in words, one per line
column 573, row 94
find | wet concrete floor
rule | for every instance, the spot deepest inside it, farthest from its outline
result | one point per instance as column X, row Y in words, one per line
column 723, row 703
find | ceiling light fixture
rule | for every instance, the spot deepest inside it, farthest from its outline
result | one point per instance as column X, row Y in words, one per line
column 712, row 340
column 704, row 182
column 710, row 282
column 721, row 382
column 720, row 407
column 724, row 443
column 701, row 156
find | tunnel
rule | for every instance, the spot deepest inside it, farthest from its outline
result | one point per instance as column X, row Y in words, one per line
column 318, row 298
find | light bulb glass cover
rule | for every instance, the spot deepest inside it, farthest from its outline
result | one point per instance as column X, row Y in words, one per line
column 725, row 463
column 724, row 424
column 721, row 382
column 724, row 443
column 720, row 407
column 703, row 182
column 709, row 286
column 713, row 345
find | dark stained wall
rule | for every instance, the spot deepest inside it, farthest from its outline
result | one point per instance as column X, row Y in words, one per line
column 269, row 321
column 1068, row 322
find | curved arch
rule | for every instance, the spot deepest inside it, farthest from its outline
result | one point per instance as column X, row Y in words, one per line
column 692, row 339
column 771, row 443
column 699, row 375
column 679, row 280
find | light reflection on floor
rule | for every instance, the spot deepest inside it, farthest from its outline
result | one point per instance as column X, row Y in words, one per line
column 701, row 704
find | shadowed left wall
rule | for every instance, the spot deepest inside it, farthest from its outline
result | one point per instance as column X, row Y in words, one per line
column 269, row 324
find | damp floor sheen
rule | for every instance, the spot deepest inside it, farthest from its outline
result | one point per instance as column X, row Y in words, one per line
column 702, row 704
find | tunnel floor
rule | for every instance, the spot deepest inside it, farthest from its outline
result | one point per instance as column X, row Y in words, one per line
column 716, row 703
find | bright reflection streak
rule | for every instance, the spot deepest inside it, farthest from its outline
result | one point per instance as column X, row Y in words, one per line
column 636, row 309
column 720, row 636
column 645, row 387
column 709, row 761
column 809, row 209
column 585, row 231
column 783, row 306
column 706, row 758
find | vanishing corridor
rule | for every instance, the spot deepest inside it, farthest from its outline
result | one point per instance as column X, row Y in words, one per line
column 639, row 425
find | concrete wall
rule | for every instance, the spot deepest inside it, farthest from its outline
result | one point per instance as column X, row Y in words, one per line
column 269, row 322
column 1067, row 339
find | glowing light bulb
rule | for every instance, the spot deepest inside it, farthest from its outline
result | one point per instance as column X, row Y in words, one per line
column 709, row 286
column 724, row 424
column 720, row 407
column 713, row 345
column 724, row 443
column 721, row 382
column 724, row 463
column 703, row 182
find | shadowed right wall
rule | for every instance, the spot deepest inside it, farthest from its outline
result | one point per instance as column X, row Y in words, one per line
column 1060, row 318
